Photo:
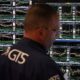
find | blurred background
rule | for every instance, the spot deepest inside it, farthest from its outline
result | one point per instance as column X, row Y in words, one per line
column 66, row 48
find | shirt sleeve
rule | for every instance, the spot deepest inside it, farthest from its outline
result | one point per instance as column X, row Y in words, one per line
column 51, row 71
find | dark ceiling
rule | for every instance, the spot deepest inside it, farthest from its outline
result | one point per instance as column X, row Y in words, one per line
column 56, row 1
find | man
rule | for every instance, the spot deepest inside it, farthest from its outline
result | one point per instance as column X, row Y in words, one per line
column 28, row 59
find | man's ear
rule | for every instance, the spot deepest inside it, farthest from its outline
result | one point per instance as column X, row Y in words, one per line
column 42, row 32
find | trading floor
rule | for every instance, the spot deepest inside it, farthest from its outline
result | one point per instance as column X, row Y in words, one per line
column 65, row 50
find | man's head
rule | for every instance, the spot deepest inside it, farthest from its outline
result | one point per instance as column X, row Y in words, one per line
column 41, row 24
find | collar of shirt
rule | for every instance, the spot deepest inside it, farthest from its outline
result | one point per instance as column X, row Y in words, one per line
column 31, row 43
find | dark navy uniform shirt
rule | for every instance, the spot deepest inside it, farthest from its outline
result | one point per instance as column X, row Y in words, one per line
column 27, row 60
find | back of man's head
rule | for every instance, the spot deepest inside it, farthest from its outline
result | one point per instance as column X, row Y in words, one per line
column 38, row 15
